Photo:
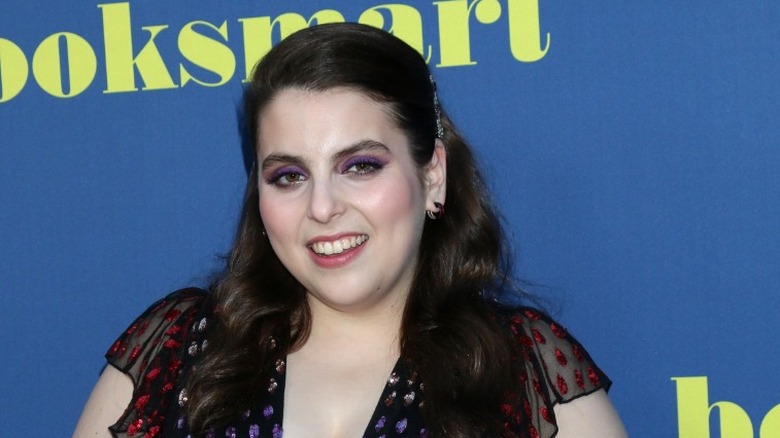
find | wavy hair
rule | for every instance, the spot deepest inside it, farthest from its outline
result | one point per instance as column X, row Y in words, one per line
column 448, row 334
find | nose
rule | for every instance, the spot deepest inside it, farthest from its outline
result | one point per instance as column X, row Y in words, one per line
column 325, row 202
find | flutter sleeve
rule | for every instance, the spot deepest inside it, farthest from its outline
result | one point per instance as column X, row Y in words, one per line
column 555, row 368
column 151, row 351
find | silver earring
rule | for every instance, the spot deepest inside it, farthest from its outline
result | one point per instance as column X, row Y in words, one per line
column 433, row 215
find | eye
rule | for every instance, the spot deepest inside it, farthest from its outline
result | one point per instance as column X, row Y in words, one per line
column 362, row 165
column 362, row 168
column 286, row 177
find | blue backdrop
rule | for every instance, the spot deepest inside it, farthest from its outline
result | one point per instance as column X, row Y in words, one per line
column 632, row 146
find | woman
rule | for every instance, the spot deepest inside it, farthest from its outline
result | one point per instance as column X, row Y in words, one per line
column 347, row 269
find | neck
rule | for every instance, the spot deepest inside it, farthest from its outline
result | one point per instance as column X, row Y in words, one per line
column 365, row 336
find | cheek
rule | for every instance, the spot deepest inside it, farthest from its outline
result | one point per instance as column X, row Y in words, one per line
column 395, row 200
column 281, row 227
column 276, row 215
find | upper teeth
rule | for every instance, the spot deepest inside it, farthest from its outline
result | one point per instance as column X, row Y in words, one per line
column 338, row 246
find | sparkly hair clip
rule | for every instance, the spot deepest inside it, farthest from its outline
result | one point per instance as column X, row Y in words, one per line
column 437, row 110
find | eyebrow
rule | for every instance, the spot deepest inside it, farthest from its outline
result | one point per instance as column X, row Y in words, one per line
column 360, row 146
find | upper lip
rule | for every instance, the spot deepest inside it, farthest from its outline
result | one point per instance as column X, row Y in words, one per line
column 344, row 242
column 333, row 237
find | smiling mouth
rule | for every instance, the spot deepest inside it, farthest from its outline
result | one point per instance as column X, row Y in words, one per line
column 338, row 246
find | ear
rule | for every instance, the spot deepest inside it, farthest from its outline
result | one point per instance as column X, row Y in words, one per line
column 436, row 177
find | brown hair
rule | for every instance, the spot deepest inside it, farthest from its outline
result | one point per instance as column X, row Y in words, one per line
column 448, row 334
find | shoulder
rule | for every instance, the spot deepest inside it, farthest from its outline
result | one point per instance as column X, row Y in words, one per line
column 164, row 326
column 565, row 365
column 555, row 369
column 154, row 351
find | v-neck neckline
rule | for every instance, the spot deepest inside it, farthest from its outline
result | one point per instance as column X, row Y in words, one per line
column 400, row 397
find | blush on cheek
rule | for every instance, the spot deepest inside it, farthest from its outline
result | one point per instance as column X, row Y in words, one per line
column 391, row 202
column 274, row 215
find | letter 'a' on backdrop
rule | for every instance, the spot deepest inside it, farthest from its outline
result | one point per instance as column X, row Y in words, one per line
column 631, row 146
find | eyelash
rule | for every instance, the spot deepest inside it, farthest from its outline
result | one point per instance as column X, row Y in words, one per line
column 372, row 163
column 283, row 173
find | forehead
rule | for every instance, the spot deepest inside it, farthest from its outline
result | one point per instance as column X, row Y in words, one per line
column 297, row 119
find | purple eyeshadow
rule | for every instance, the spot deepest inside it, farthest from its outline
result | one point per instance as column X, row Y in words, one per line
column 373, row 161
column 282, row 171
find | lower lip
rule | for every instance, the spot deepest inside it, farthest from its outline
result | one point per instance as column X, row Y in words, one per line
column 336, row 260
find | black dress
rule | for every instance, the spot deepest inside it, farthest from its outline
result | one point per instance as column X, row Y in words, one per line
column 166, row 340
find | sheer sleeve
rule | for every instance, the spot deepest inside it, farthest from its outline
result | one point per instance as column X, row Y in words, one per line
column 555, row 368
column 151, row 351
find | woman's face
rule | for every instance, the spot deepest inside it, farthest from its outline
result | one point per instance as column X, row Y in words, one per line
column 342, row 202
